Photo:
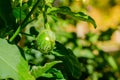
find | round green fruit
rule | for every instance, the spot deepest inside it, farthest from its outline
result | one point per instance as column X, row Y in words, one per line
column 45, row 41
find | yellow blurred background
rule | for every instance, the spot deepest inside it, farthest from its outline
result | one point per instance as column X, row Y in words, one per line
column 106, row 15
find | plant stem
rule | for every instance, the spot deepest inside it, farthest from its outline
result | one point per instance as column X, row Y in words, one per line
column 23, row 24
column 44, row 14
column 15, row 34
column 30, row 13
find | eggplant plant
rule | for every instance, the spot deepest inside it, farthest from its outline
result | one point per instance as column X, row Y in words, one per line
column 31, row 48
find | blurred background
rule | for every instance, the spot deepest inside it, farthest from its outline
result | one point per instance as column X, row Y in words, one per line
column 97, row 49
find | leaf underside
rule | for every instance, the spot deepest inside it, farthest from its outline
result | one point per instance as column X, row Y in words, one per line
column 12, row 64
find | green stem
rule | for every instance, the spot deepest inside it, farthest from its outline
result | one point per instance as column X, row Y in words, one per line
column 44, row 14
column 15, row 34
column 30, row 13
column 24, row 22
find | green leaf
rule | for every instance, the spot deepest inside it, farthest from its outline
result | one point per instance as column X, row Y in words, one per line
column 67, row 11
column 12, row 64
column 18, row 14
column 38, row 71
column 86, row 53
column 47, row 75
column 57, row 74
column 6, row 11
column 111, row 61
column 70, row 61
column 54, row 74
column 7, row 20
